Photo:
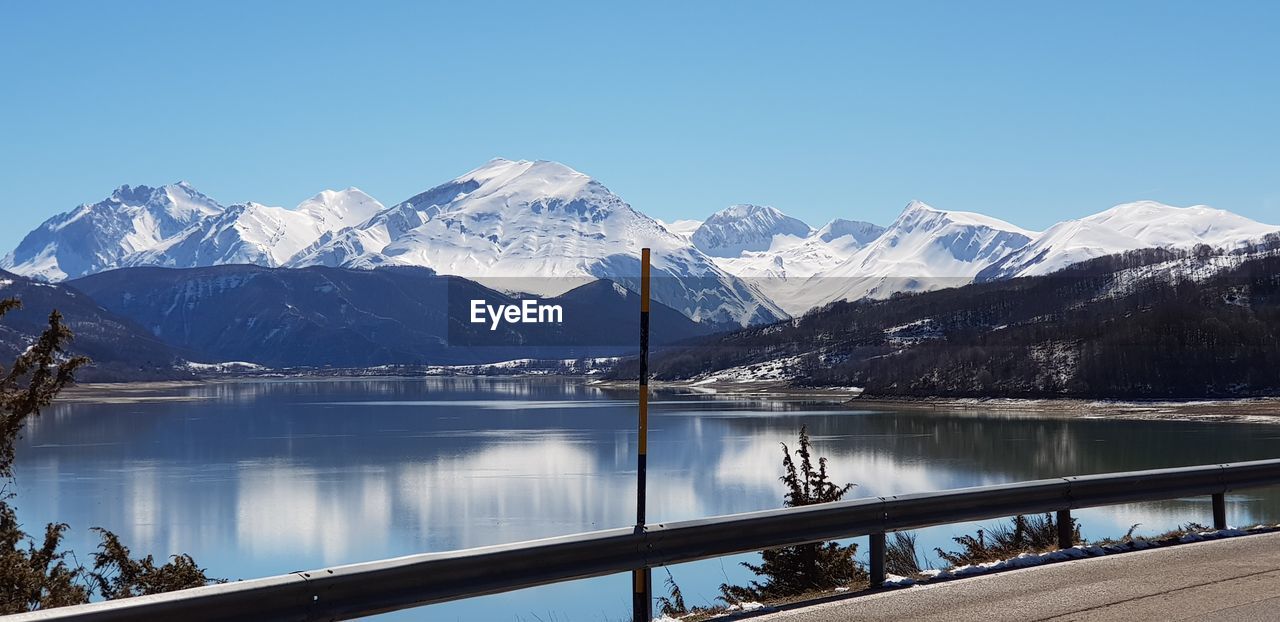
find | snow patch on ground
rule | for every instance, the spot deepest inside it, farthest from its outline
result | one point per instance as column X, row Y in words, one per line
column 778, row 369
column 1028, row 560
column 526, row 367
column 913, row 333
column 748, row 606
column 224, row 367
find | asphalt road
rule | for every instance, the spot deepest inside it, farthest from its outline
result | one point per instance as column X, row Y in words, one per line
column 1234, row 579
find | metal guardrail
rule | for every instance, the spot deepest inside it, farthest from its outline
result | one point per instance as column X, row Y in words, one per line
column 357, row 590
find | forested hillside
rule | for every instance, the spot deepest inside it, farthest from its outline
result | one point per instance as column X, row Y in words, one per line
column 118, row 348
column 1146, row 324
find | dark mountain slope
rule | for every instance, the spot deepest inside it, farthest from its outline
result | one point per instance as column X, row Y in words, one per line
column 320, row 316
column 120, row 349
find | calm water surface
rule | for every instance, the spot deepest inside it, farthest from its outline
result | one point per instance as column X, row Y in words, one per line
column 266, row 477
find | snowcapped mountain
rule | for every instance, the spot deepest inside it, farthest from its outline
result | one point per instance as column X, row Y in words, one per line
column 92, row 238
column 177, row 226
column 1127, row 227
column 789, row 260
column 257, row 234
column 338, row 209
column 544, row 228
column 1059, row 246
column 924, row 249
column 345, row 246
column 1156, row 224
column 925, row 242
column 541, row 227
column 789, row 256
column 849, row 233
column 249, row 233
column 927, row 248
column 738, row 228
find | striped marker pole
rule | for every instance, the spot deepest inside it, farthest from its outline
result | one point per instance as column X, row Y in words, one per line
column 642, row 579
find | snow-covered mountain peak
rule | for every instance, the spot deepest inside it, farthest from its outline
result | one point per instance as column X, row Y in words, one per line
column 791, row 252
column 1157, row 224
column 1147, row 208
column 95, row 237
column 177, row 197
column 179, row 200
column 1127, row 227
column 925, row 242
column 132, row 195
column 743, row 228
column 918, row 214
column 923, row 249
column 860, row 232
column 539, row 227
column 254, row 233
column 338, row 209
column 526, row 178
column 916, row 205
column 751, row 211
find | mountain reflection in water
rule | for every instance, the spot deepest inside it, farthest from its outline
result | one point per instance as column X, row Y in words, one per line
column 263, row 477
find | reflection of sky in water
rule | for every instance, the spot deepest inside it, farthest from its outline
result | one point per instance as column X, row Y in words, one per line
column 260, row 478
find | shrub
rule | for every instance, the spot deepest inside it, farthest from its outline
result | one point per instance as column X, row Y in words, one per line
column 795, row 570
column 900, row 556
column 1022, row 534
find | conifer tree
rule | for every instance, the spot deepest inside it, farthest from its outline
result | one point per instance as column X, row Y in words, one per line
column 794, row 570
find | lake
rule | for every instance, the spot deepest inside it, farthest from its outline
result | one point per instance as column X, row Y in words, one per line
column 263, row 477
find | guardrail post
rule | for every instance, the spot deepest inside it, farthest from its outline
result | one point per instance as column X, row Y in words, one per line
column 1066, row 530
column 1219, row 510
column 642, row 595
column 877, row 559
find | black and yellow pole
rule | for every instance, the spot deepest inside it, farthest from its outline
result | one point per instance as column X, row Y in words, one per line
column 642, row 584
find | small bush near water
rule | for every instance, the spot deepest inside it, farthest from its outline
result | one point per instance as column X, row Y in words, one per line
column 795, row 570
column 900, row 555
column 1022, row 534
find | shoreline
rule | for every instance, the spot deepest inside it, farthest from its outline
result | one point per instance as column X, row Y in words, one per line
column 1244, row 410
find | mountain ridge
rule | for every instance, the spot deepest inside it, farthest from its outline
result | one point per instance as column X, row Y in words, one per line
column 745, row 227
column 543, row 227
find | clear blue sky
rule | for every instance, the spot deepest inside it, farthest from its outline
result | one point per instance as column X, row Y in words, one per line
column 1029, row 111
